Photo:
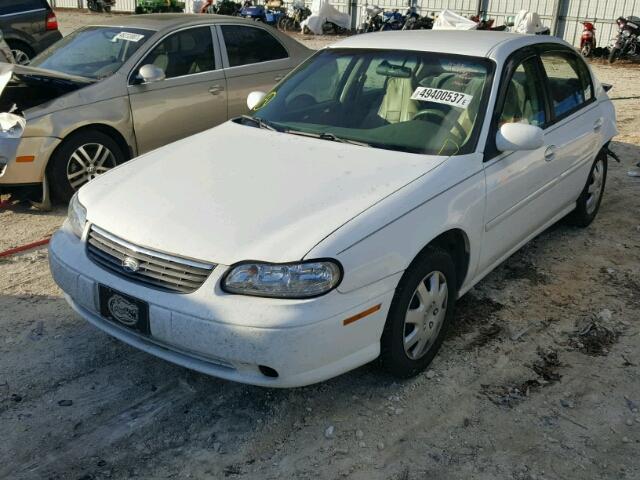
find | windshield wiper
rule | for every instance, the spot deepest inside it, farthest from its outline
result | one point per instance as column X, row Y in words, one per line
column 258, row 122
column 327, row 136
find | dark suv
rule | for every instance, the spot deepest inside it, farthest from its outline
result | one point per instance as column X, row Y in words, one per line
column 29, row 26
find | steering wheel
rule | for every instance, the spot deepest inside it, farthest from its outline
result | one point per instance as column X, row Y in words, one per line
column 441, row 117
column 303, row 100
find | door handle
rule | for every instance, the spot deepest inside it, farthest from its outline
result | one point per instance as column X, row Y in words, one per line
column 278, row 78
column 215, row 89
column 597, row 125
column 550, row 153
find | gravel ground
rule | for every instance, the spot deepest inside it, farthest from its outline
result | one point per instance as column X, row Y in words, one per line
column 538, row 380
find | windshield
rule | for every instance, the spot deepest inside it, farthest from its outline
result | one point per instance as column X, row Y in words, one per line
column 408, row 101
column 94, row 52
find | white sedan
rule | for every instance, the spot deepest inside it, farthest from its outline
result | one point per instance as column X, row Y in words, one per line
column 341, row 221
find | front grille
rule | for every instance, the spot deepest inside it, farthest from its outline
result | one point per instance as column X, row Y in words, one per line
column 154, row 269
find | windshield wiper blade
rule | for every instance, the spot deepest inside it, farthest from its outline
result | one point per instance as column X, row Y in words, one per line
column 260, row 123
column 327, row 136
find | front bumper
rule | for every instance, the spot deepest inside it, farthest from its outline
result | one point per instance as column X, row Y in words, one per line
column 230, row 336
column 13, row 172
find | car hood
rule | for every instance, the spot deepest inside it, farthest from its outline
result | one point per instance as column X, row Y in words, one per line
column 23, row 87
column 236, row 192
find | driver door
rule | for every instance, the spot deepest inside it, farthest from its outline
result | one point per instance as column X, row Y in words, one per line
column 192, row 97
column 516, row 182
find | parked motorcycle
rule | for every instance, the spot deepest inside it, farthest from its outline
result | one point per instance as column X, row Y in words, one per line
column 221, row 7
column 413, row 20
column 626, row 43
column 292, row 23
column 486, row 23
column 392, row 20
column 373, row 19
column 588, row 39
column 260, row 13
column 101, row 5
column 159, row 6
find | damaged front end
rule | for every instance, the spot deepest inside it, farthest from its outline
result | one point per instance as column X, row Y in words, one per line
column 23, row 91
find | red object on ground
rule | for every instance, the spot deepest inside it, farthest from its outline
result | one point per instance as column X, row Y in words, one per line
column 23, row 248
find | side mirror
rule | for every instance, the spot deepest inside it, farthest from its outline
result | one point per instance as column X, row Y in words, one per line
column 151, row 73
column 254, row 99
column 513, row 137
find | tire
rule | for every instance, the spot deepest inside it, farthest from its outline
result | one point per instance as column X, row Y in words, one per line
column 613, row 54
column 22, row 53
column 588, row 202
column 66, row 173
column 409, row 300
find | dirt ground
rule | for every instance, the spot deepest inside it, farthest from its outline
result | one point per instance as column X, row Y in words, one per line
column 539, row 379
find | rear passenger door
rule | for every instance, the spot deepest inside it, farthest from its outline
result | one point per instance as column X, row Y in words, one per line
column 573, row 135
column 189, row 100
column 254, row 60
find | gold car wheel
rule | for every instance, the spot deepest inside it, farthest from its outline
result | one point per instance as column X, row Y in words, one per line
column 20, row 57
column 87, row 162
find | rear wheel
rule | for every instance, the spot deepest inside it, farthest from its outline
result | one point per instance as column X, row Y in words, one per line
column 22, row 53
column 420, row 314
column 588, row 202
column 81, row 158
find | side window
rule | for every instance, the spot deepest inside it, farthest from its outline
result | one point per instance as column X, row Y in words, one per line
column 16, row 6
column 246, row 45
column 184, row 53
column 523, row 100
column 568, row 86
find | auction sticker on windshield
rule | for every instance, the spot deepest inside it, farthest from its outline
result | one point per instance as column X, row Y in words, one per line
column 128, row 37
column 447, row 97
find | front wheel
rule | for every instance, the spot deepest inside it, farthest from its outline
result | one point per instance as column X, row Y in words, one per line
column 420, row 314
column 588, row 202
column 586, row 50
column 614, row 54
column 81, row 158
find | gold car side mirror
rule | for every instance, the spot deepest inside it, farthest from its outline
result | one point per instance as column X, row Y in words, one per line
column 151, row 74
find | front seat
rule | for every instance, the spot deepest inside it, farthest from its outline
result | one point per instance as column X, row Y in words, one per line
column 397, row 105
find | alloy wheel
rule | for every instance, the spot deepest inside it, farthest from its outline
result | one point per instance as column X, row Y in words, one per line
column 20, row 57
column 425, row 315
column 594, row 190
column 87, row 162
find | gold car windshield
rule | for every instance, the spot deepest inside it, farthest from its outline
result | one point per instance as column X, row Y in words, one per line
column 411, row 101
column 93, row 52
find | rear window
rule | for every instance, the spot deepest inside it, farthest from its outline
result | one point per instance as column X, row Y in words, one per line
column 17, row 6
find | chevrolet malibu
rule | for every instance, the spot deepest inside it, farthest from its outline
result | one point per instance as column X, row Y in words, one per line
column 107, row 93
column 342, row 219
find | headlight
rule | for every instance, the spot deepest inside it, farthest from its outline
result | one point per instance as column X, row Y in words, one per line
column 77, row 216
column 11, row 125
column 284, row 280
column 626, row 33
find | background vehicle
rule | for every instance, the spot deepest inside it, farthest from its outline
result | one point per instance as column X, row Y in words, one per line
column 392, row 20
column 373, row 19
column 413, row 20
column 223, row 7
column 5, row 52
column 260, row 13
column 136, row 85
column 588, row 39
column 626, row 43
column 101, row 5
column 29, row 26
column 292, row 23
column 159, row 6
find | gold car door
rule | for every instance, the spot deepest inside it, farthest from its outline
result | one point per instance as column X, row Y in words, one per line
column 191, row 98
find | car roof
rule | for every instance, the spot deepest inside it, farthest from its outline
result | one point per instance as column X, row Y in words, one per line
column 162, row 21
column 492, row 44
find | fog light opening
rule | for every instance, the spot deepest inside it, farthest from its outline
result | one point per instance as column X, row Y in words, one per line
column 268, row 371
